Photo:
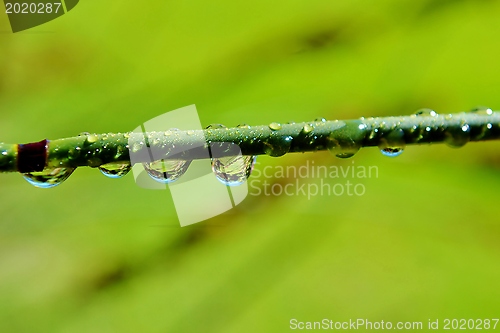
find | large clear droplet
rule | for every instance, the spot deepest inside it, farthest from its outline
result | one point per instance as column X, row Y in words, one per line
column 166, row 171
column 233, row 170
column 276, row 146
column 49, row 177
column 342, row 149
column 458, row 137
column 393, row 143
column 115, row 170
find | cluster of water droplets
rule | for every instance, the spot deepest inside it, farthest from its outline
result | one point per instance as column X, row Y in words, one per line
column 233, row 169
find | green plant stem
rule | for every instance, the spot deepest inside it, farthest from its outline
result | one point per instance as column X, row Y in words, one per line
column 348, row 135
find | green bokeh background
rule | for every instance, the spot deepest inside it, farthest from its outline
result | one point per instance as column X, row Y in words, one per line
column 102, row 255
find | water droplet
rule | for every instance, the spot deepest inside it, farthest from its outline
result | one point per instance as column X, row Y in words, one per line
column 49, row 177
column 4, row 153
column 213, row 126
column 457, row 138
column 115, row 170
column 426, row 112
column 190, row 132
column 308, row 128
column 489, row 126
column 320, row 120
column 84, row 134
column 393, row 143
column 243, row 126
column 166, row 171
column 137, row 146
column 275, row 126
column 482, row 110
column 391, row 152
column 342, row 149
column 92, row 138
column 233, row 170
column 362, row 127
column 277, row 146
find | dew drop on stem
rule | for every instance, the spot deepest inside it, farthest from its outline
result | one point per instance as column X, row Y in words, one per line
column 342, row 148
column 275, row 126
column 166, row 171
column 115, row 170
column 48, row 178
column 457, row 137
column 276, row 146
column 426, row 112
column 392, row 144
column 233, row 170
column 482, row 110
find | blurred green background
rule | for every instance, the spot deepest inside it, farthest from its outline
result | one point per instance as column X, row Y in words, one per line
column 102, row 255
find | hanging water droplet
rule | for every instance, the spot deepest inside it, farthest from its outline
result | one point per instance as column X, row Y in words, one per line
column 457, row 138
column 391, row 152
column 49, row 177
column 482, row 110
column 426, row 112
column 342, row 149
column 233, row 170
column 393, row 143
column 166, row 171
column 277, row 146
column 115, row 170
column 275, row 126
